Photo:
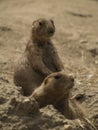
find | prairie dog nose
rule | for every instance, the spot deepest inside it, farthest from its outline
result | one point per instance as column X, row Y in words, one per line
column 50, row 31
column 72, row 79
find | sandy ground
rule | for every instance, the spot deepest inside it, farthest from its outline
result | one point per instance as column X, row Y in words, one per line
column 77, row 43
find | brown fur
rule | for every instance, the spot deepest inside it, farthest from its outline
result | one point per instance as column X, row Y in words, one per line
column 39, row 59
column 55, row 90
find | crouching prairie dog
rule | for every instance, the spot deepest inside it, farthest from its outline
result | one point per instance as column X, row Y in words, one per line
column 55, row 90
column 39, row 59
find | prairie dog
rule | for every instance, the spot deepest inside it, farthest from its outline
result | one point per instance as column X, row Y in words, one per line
column 55, row 90
column 39, row 59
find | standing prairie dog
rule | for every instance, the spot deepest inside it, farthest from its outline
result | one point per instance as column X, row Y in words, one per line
column 39, row 59
column 55, row 90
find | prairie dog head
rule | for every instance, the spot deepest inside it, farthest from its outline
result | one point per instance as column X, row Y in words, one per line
column 43, row 28
column 58, row 82
column 54, row 88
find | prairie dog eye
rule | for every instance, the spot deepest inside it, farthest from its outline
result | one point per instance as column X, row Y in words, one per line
column 41, row 23
column 57, row 77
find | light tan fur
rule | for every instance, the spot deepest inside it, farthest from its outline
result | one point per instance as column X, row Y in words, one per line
column 39, row 59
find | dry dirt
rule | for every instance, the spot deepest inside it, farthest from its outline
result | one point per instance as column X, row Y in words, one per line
column 76, row 39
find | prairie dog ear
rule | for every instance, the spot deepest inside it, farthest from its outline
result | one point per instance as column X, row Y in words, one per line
column 34, row 22
column 46, row 80
column 52, row 21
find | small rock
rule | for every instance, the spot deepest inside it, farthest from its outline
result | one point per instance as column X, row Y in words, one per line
column 67, row 127
column 96, row 62
column 3, row 100
column 4, row 28
column 24, row 106
column 89, row 76
column 79, row 97
column 83, row 41
column 94, row 52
